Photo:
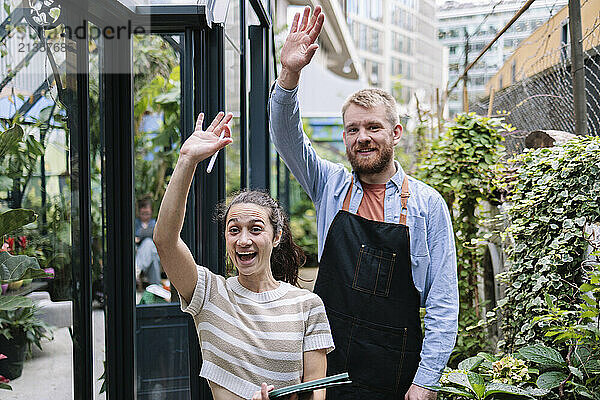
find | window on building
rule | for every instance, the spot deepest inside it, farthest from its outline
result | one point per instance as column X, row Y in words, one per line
column 500, row 83
column 376, row 9
column 564, row 41
column 352, row 6
column 453, row 33
column 452, row 49
column 513, row 71
column 397, row 16
column 396, row 66
column 362, row 37
column 375, row 73
column 375, row 45
column 409, row 22
column 522, row 26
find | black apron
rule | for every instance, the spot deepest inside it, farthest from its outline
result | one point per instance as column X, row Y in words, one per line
column 365, row 281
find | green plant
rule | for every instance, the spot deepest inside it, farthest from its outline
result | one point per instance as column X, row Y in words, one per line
column 580, row 371
column 19, row 161
column 16, row 312
column 552, row 194
column 566, row 376
column 461, row 166
column 486, row 376
column 15, row 268
column 23, row 322
column 157, row 91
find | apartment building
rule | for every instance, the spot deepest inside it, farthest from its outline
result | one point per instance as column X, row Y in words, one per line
column 466, row 28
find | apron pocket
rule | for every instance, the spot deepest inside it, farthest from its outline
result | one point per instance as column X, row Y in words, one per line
column 376, row 355
column 373, row 271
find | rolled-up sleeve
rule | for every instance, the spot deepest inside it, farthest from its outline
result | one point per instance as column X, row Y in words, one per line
column 441, row 296
column 317, row 333
column 200, row 293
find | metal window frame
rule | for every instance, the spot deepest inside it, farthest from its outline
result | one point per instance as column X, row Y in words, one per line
column 77, row 108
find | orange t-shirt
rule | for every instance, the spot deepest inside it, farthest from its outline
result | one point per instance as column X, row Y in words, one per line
column 371, row 206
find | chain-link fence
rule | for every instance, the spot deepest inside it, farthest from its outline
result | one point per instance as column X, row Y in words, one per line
column 541, row 95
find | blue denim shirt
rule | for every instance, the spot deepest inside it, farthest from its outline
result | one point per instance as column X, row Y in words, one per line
column 432, row 250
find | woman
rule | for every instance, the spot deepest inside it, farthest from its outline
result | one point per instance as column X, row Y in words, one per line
column 253, row 328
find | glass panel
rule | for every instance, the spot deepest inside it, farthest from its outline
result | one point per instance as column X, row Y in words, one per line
column 232, row 24
column 232, row 104
column 161, row 328
column 157, row 138
column 326, row 137
column 34, row 174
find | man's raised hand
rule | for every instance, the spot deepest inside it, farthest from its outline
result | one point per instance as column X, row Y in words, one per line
column 202, row 144
column 300, row 47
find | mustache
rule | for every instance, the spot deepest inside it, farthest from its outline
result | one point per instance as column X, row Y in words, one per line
column 358, row 148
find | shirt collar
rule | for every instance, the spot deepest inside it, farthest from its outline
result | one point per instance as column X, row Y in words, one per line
column 396, row 179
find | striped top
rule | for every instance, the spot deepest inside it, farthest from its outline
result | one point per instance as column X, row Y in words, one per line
column 247, row 338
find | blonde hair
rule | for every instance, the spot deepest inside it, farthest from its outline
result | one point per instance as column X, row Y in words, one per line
column 369, row 98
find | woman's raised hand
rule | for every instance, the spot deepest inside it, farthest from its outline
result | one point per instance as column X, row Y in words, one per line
column 203, row 144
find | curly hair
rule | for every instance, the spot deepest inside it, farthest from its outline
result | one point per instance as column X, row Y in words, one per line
column 287, row 257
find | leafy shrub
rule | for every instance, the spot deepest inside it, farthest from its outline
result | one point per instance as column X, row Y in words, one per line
column 534, row 371
column 461, row 166
column 487, row 376
column 552, row 195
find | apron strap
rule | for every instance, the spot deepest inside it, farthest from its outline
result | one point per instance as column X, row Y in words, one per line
column 346, row 204
column 404, row 195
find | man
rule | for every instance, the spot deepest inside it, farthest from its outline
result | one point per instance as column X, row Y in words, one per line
column 146, row 256
column 386, row 246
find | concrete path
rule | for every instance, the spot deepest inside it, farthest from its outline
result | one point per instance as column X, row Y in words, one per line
column 48, row 375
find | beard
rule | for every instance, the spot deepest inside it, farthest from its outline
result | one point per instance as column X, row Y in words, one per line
column 373, row 164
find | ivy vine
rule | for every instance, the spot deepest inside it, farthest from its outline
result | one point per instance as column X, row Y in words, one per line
column 553, row 193
column 461, row 166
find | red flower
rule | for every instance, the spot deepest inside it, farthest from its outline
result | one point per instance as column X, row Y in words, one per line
column 22, row 242
column 4, row 380
column 4, row 247
column 2, row 357
column 11, row 243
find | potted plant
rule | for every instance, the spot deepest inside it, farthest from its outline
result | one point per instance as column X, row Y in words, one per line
column 19, row 330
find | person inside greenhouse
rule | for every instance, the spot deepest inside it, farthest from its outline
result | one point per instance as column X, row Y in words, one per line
column 385, row 240
column 257, row 327
column 146, row 256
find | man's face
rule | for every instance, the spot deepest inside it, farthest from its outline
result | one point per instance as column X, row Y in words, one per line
column 145, row 213
column 369, row 138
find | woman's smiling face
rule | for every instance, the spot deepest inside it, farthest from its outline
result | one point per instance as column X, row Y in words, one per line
column 250, row 239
